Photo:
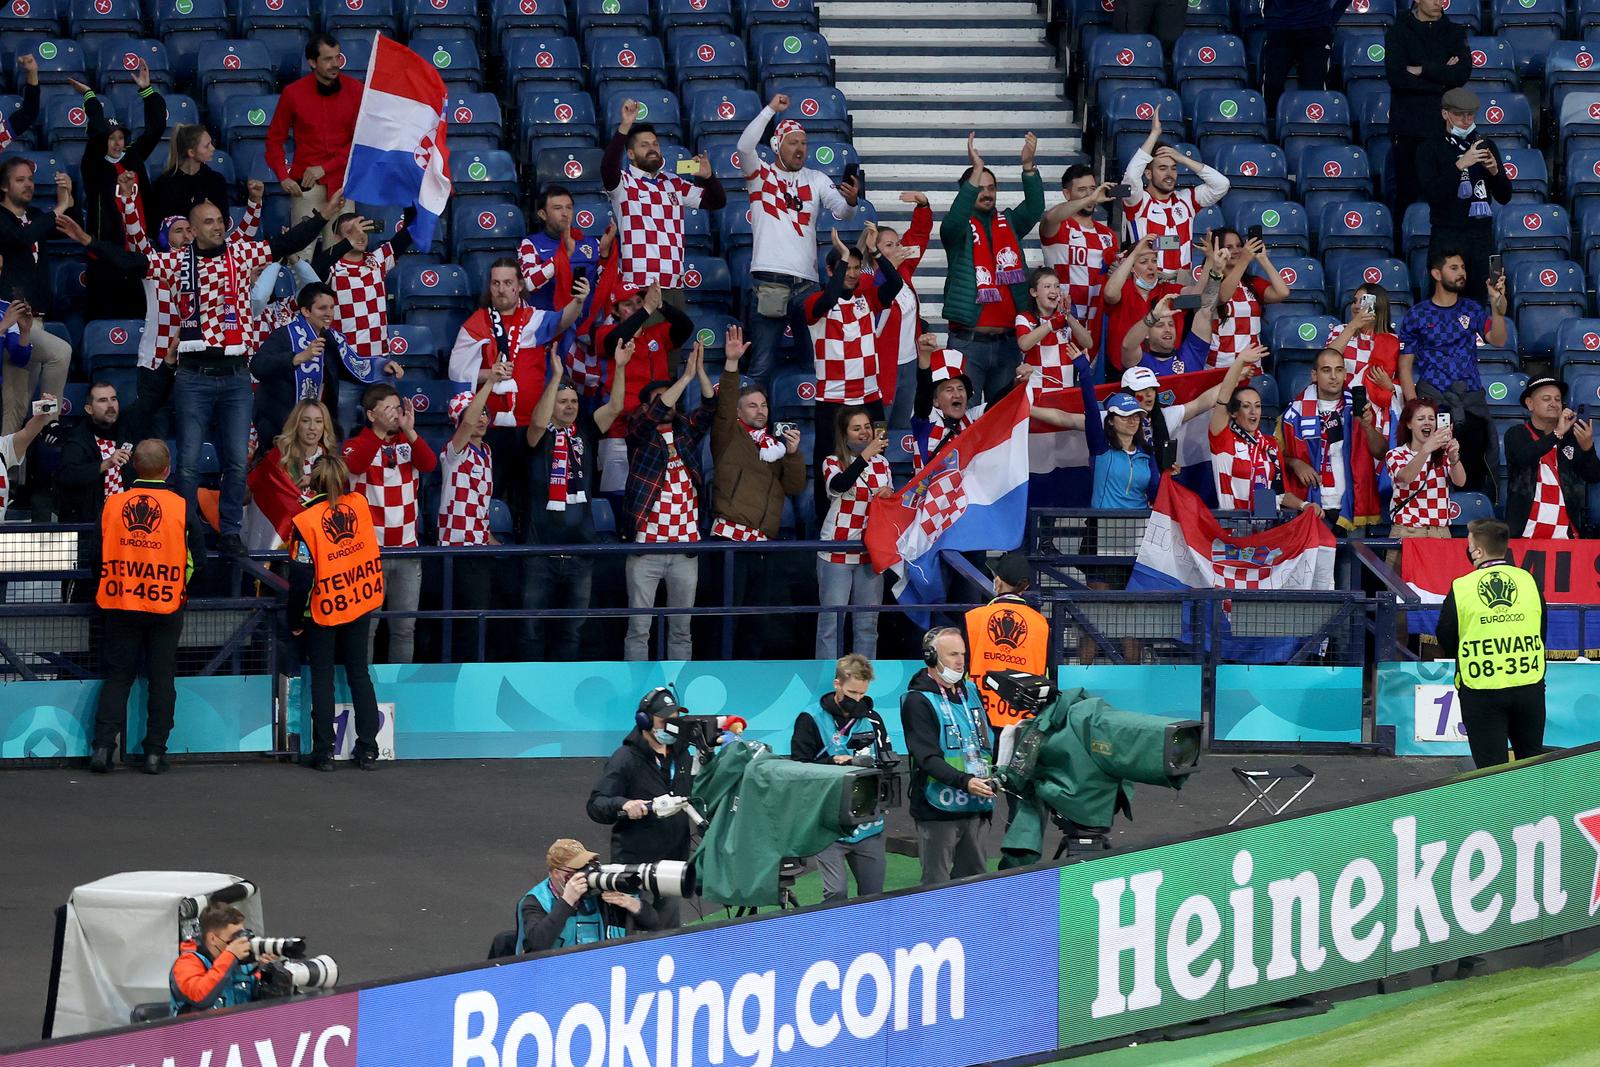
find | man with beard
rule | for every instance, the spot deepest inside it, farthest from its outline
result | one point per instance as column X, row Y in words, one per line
column 94, row 453
column 649, row 204
column 1439, row 356
column 1080, row 248
column 1161, row 208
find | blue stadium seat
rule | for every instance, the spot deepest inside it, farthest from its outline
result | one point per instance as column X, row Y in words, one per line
column 1415, row 229
column 757, row 13
column 1125, row 61
column 1583, row 384
column 344, row 18
column 1494, row 66
column 1583, row 179
column 1367, row 15
column 1271, row 403
column 65, row 121
column 1332, row 172
column 1530, row 177
column 119, row 57
column 706, row 281
column 551, row 63
column 1542, row 228
column 1576, row 341
column 1543, row 295
column 710, row 57
column 1466, row 13
column 1371, row 106
column 355, row 54
column 1125, row 121
column 822, row 110
column 831, row 157
column 540, row 17
column 1580, row 122
column 115, row 17
column 1284, row 224
column 718, row 111
column 1468, row 506
column 794, row 59
column 1306, row 117
column 658, row 107
column 1208, row 16
column 1212, row 60
column 1507, row 118
column 1298, row 338
column 111, row 343
column 1308, row 292
column 476, row 123
column 1569, row 66
column 629, row 16
column 255, row 15
column 629, row 59
column 413, row 347
column 1351, row 270
column 32, row 16
column 246, row 118
column 230, row 61
column 794, row 393
column 575, row 169
column 170, row 17
column 454, row 54
column 482, row 226
column 1361, row 58
column 591, row 213
column 1587, row 16
column 680, row 14
column 561, row 116
column 1227, row 115
column 492, row 173
column 58, row 58
column 430, row 287
column 1530, row 27
column 1356, row 225
column 1255, row 171
column 441, row 15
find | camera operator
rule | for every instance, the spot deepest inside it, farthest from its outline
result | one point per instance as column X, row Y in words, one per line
column 561, row 911
column 649, row 764
column 842, row 728
column 217, row 971
column 949, row 746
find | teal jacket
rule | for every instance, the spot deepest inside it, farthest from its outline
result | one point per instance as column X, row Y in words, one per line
column 960, row 286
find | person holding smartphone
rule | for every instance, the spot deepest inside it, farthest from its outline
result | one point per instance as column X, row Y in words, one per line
column 1459, row 173
column 1422, row 468
column 1550, row 460
column 1371, row 352
column 854, row 472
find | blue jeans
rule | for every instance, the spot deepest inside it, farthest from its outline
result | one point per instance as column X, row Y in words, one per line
column 221, row 402
column 847, row 583
column 991, row 361
column 905, row 393
column 766, row 335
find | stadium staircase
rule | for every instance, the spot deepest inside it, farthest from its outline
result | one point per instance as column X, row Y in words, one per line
column 919, row 75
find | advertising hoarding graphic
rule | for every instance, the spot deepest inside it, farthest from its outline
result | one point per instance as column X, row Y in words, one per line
column 910, row 979
column 1252, row 917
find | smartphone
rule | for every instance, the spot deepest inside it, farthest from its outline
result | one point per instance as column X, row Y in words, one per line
column 1443, row 420
column 47, row 407
column 1368, row 304
column 689, row 166
column 852, row 170
column 1167, row 454
column 880, row 428
column 1186, row 302
column 1497, row 267
column 1583, row 412
column 1169, row 242
column 1253, row 233
column 1121, row 192
column 1358, row 400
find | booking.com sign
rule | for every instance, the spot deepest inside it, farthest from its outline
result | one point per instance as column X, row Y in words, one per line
column 910, row 979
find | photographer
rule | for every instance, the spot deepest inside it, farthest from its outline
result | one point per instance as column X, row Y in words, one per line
column 842, row 728
column 217, row 971
column 561, row 911
column 949, row 745
column 649, row 764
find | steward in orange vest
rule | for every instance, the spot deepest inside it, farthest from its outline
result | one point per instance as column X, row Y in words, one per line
column 149, row 552
column 1006, row 634
column 335, row 584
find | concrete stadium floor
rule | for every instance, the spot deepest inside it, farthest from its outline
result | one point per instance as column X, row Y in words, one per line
column 416, row 866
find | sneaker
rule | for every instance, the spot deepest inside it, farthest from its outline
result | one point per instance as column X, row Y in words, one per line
column 320, row 763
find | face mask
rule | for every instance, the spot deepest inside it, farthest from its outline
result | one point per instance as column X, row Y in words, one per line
column 856, row 446
column 950, row 676
column 666, row 738
column 850, row 707
column 1145, row 285
column 1457, row 131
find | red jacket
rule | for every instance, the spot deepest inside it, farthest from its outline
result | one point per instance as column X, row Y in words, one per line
column 322, row 125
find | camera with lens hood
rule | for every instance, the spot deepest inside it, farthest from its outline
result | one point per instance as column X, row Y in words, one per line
column 285, row 978
column 664, row 878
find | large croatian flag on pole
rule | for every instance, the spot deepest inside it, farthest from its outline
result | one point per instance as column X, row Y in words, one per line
column 398, row 154
column 972, row 495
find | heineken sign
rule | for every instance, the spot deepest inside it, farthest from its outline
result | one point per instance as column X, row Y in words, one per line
column 1237, row 920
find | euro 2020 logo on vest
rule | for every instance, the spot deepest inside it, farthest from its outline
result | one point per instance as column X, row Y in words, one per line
column 142, row 514
column 1008, row 629
column 339, row 523
column 1497, row 590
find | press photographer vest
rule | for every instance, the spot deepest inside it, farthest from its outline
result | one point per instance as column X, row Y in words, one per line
column 144, row 553
column 958, row 728
column 238, row 989
column 344, row 551
column 1498, row 612
column 580, row 929
column 1006, row 635
column 836, row 742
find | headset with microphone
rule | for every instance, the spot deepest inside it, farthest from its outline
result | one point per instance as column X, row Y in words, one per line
column 662, row 701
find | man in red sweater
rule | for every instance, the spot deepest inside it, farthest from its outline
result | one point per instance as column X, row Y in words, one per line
column 319, row 112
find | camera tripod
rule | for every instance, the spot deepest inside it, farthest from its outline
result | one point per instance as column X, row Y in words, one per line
column 788, row 871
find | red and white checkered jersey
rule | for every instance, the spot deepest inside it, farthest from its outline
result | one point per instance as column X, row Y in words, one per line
column 1173, row 216
column 1050, row 354
column 224, row 279
column 1428, row 492
column 649, row 210
column 1357, row 361
column 464, row 497
column 390, row 483
column 845, row 350
column 362, row 311
column 1242, row 327
column 8, row 459
column 1082, row 253
column 1241, row 464
column 161, row 303
column 728, row 530
column 1548, row 517
column 675, row 515
column 847, row 513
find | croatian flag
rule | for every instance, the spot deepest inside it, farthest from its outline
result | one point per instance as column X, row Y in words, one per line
column 1185, row 547
column 972, row 495
column 398, row 153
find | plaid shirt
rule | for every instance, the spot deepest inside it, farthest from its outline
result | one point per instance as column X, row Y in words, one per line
column 647, row 455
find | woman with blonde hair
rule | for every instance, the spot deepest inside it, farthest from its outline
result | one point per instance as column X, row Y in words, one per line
column 188, row 179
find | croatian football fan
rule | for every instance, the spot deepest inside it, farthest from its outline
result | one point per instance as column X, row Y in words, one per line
column 1080, row 248
column 356, row 272
column 902, row 320
column 1156, row 206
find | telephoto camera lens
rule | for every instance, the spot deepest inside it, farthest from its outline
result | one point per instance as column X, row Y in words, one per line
column 293, row 948
column 316, row 973
column 667, row 878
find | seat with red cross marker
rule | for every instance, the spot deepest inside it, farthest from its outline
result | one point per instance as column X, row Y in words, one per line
column 1528, row 173
column 1124, row 61
column 1577, row 341
column 1570, row 66
column 718, row 15
column 707, row 283
column 706, row 57
column 1580, row 122
column 1351, row 270
column 440, row 15
column 1368, row 15
column 236, row 61
column 591, row 213
column 769, row 13
column 1530, row 27
column 66, row 123
column 719, row 110
column 822, row 110
column 1254, row 171
column 424, row 293
column 1545, row 292
column 92, row 18
column 477, row 125
column 1506, row 119
column 1125, row 121
column 1494, row 66
column 111, row 343
column 548, row 120
column 1306, row 118
column 1545, row 229
column 1328, row 172
column 1355, row 225
column 626, row 59
column 545, row 63
column 724, row 155
column 658, row 107
column 1208, row 61
column 485, row 226
column 346, row 18
column 416, row 349
column 1308, row 293
column 575, row 169
column 513, row 19
column 1583, row 180
column 31, row 16
column 454, row 54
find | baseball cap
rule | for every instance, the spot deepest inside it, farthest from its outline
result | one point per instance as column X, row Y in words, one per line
column 1122, row 404
column 1136, row 378
column 1460, row 100
column 569, row 854
column 1540, row 383
column 1012, row 568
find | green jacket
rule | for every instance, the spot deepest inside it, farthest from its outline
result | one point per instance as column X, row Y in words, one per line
column 960, row 286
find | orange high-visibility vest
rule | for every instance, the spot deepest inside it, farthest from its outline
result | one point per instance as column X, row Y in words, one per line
column 344, row 551
column 144, row 554
column 1005, row 635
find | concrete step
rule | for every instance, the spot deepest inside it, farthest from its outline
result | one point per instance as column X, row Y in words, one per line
column 914, row 13
column 863, row 91
column 899, row 35
column 930, row 64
